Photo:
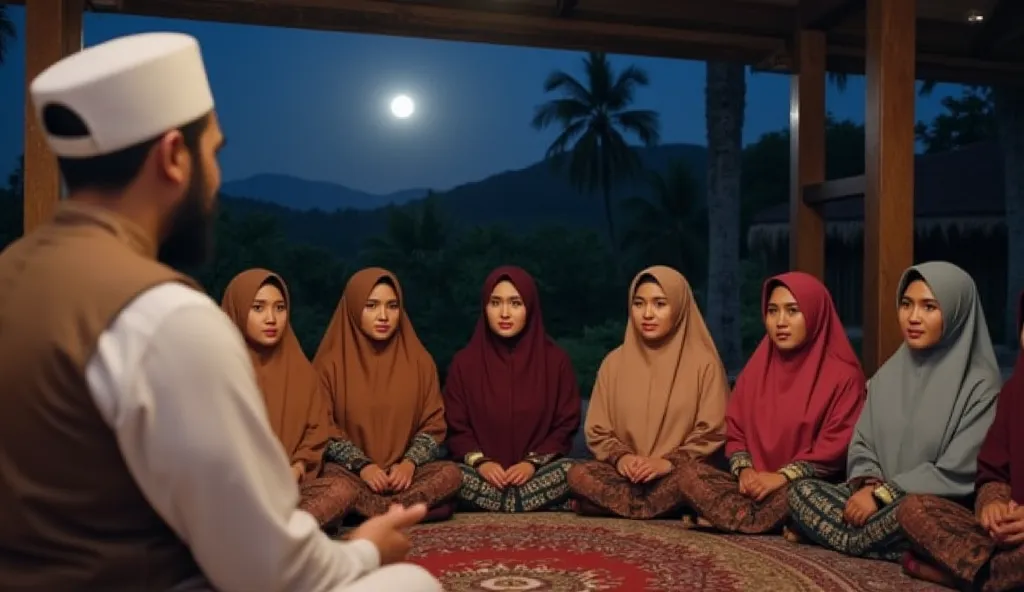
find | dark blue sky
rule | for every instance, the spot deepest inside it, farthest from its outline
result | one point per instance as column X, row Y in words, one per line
column 314, row 104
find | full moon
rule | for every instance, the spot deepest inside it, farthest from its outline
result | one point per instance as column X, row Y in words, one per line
column 402, row 106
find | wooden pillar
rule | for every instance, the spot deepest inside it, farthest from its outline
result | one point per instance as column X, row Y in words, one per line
column 807, row 153
column 53, row 30
column 889, row 171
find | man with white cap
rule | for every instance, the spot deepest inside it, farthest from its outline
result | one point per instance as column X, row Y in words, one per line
column 135, row 452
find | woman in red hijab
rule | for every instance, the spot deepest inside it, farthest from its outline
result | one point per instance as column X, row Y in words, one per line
column 983, row 549
column 791, row 414
column 512, row 403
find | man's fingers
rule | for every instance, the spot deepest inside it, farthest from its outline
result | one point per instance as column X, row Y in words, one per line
column 398, row 516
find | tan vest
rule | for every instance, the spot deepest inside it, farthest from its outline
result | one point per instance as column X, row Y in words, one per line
column 71, row 516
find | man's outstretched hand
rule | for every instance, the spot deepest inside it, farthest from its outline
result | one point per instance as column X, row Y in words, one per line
column 387, row 531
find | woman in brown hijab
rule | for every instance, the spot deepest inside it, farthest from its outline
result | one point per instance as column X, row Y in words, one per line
column 258, row 302
column 658, row 402
column 386, row 413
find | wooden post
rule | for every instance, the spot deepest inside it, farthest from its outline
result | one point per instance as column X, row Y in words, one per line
column 889, row 171
column 807, row 153
column 53, row 30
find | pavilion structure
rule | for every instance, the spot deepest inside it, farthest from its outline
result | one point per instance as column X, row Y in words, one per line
column 892, row 42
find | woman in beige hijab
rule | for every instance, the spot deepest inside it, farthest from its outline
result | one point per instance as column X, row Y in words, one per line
column 658, row 402
column 385, row 410
column 258, row 302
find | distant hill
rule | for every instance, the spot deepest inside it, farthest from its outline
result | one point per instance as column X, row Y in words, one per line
column 540, row 195
column 301, row 194
column 521, row 200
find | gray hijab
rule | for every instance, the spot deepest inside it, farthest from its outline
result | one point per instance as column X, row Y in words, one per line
column 928, row 411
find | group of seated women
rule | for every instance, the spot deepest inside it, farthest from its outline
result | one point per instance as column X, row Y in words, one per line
column 884, row 469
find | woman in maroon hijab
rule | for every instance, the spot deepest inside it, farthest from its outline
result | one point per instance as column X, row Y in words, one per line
column 791, row 414
column 512, row 403
column 979, row 550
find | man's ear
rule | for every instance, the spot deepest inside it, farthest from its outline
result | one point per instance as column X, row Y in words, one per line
column 172, row 158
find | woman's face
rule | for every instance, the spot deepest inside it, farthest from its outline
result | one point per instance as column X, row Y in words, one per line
column 506, row 311
column 268, row 317
column 920, row 316
column 652, row 312
column 381, row 313
column 784, row 321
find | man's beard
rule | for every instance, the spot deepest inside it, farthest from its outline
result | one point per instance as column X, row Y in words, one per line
column 190, row 241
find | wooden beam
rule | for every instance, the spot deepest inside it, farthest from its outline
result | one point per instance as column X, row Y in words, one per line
column 818, row 194
column 849, row 59
column 823, row 15
column 889, row 172
column 53, row 30
column 502, row 23
column 807, row 153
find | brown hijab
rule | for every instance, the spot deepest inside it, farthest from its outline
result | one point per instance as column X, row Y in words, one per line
column 656, row 401
column 285, row 376
column 381, row 395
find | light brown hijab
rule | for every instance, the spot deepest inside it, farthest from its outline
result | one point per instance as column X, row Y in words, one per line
column 286, row 378
column 381, row 395
column 656, row 401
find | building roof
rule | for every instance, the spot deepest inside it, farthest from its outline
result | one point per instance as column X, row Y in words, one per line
column 974, row 41
column 967, row 182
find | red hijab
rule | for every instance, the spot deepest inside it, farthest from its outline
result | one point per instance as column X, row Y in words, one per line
column 1002, row 454
column 509, row 398
column 800, row 405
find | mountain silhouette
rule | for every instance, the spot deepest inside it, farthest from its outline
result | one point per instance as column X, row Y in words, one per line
column 520, row 200
column 301, row 194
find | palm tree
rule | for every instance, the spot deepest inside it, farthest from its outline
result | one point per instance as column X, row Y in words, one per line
column 724, row 104
column 594, row 117
column 671, row 226
column 7, row 32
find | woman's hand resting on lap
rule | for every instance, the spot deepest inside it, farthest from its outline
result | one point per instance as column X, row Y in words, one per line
column 493, row 474
column 640, row 469
column 519, row 473
column 375, row 478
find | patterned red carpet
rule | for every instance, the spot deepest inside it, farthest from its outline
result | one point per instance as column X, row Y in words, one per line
column 564, row 553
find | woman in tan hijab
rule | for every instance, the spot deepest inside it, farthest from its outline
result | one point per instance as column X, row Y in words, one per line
column 258, row 302
column 386, row 413
column 658, row 402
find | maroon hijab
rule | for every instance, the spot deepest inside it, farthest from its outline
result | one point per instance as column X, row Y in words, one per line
column 509, row 398
column 1002, row 454
column 799, row 405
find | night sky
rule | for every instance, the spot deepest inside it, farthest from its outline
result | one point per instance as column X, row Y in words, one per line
column 314, row 104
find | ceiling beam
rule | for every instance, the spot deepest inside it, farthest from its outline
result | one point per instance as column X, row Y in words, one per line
column 690, row 29
column 937, row 67
column 824, row 15
column 472, row 21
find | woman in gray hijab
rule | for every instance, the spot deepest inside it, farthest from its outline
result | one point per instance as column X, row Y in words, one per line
column 928, row 409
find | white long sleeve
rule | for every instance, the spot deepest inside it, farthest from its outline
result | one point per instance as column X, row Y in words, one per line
column 173, row 379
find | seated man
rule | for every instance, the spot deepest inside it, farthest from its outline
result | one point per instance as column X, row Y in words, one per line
column 135, row 452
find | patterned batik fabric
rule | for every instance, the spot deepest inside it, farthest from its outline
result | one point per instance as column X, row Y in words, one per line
column 327, row 498
column 816, row 510
column 599, row 484
column 947, row 535
column 433, row 484
column 422, row 450
column 715, row 496
column 548, row 489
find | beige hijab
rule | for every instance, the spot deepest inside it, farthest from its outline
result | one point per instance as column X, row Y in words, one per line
column 656, row 401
